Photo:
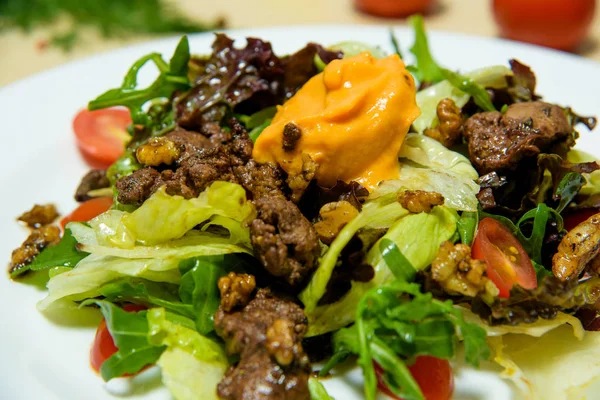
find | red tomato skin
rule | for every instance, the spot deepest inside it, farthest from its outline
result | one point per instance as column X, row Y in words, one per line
column 492, row 244
column 88, row 210
column 574, row 219
column 394, row 8
column 433, row 375
column 101, row 135
column 560, row 24
column 104, row 346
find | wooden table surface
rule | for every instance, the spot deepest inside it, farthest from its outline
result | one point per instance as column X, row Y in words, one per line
column 21, row 56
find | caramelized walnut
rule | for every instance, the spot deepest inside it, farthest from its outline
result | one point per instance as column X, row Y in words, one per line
column 458, row 273
column 450, row 128
column 235, row 290
column 158, row 151
column 39, row 215
column 418, row 201
column 333, row 218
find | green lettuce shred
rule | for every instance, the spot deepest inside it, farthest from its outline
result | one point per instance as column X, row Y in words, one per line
column 192, row 365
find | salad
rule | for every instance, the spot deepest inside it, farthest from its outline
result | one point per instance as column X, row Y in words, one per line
column 254, row 223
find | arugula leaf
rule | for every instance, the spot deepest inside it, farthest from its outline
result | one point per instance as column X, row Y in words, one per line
column 145, row 291
column 426, row 69
column 199, row 278
column 129, row 331
column 397, row 322
column 63, row 254
column 470, row 87
column 317, row 390
column 567, row 189
column 467, row 226
column 172, row 77
column 395, row 44
column 258, row 121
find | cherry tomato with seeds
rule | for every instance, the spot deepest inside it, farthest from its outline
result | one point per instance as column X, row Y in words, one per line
column 507, row 261
column 102, row 134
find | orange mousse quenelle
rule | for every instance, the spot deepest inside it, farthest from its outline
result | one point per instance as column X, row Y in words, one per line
column 351, row 119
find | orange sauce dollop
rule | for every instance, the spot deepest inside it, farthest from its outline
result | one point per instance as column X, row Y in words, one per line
column 353, row 118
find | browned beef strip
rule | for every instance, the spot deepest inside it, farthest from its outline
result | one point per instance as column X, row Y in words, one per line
column 267, row 335
column 284, row 241
column 93, row 180
column 500, row 141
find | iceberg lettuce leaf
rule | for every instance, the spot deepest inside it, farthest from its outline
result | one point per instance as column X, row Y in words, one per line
column 379, row 213
column 428, row 99
column 192, row 365
column 417, row 237
column 163, row 217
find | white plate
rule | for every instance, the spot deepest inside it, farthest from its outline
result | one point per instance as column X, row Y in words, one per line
column 40, row 164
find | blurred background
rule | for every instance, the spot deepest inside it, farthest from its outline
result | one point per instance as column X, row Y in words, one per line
column 39, row 34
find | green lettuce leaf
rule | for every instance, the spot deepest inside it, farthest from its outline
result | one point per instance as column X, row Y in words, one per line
column 428, row 99
column 94, row 271
column 172, row 77
column 426, row 68
column 317, row 390
column 379, row 213
column 64, row 254
column 417, row 238
column 142, row 291
column 163, row 217
column 397, row 322
column 199, row 277
column 192, row 365
column 129, row 331
column 428, row 152
column 592, row 180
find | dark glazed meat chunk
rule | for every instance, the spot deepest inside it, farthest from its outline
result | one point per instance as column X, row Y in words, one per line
column 499, row 141
column 137, row 187
column 284, row 241
column 93, row 180
column 188, row 141
column 262, row 180
column 267, row 334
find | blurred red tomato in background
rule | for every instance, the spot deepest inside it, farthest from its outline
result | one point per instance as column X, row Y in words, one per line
column 394, row 8
column 560, row 24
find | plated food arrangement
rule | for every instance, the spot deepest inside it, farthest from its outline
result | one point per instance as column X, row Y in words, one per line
column 255, row 215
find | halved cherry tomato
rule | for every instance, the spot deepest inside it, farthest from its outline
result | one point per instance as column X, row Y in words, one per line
column 88, row 210
column 433, row 375
column 394, row 8
column 102, row 134
column 574, row 219
column 507, row 261
column 561, row 24
column 104, row 345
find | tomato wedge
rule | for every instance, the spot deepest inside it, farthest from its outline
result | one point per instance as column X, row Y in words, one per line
column 507, row 261
column 104, row 345
column 102, row 134
column 433, row 375
column 88, row 210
